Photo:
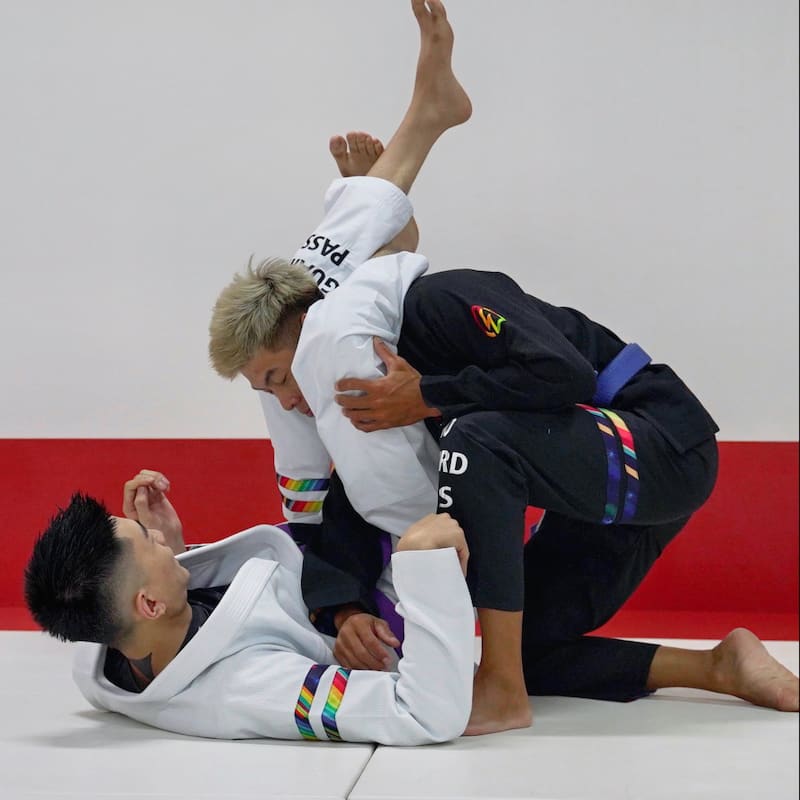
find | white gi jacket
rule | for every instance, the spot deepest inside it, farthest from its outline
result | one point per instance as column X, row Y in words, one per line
column 258, row 668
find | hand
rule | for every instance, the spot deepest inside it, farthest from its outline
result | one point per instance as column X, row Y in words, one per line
column 362, row 641
column 144, row 499
column 436, row 531
column 388, row 402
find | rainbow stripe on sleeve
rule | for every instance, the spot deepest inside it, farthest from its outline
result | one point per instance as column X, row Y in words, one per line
column 302, row 506
column 311, row 493
column 304, row 484
column 333, row 702
column 302, row 711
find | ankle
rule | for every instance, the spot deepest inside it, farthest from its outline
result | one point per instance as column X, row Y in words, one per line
column 427, row 121
column 501, row 677
column 721, row 670
column 694, row 669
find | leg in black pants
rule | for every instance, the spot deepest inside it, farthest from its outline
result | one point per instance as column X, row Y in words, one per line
column 577, row 576
column 576, row 572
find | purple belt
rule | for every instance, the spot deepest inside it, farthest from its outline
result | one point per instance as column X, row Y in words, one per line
column 386, row 609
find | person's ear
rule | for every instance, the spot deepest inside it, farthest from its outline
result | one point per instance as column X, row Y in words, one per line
column 147, row 607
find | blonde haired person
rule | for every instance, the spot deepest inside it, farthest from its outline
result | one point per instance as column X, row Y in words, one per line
column 262, row 307
column 530, row 403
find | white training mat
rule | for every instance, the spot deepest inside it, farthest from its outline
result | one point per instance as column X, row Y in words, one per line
column 676, row 745
column 55, row 746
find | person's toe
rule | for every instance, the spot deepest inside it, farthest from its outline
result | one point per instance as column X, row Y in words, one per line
column 361, row 143
column 338, row 147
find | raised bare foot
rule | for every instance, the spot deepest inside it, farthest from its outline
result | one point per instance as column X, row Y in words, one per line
column 356, row 154
column 745, row 669
column 497, row 708
column 437, row 92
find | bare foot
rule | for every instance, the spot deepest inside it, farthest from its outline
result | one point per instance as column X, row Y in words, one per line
column 497, row 708
column 356, row 154
column 745, row 669
column 438, row 95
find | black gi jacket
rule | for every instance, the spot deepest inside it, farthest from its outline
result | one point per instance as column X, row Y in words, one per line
column 539, row 358
column 482, row 344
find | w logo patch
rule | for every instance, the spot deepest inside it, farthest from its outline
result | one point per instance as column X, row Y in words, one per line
column 487, row 320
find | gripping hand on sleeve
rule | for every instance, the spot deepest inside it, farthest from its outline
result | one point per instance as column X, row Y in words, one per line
column 362, row 640
column 389, row 402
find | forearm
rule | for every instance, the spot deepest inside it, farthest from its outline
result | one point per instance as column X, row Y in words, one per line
column 343, row 559
column 302, row 463
column 512, row 387
column 428, row 699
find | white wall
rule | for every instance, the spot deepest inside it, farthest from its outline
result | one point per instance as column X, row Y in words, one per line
column 634, row 158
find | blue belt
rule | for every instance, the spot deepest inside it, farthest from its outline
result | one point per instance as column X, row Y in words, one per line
column 618, row 372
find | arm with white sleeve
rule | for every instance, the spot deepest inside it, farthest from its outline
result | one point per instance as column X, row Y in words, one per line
column 390, row 476
column 258, row 669
column 427, row 700
column 361, row 215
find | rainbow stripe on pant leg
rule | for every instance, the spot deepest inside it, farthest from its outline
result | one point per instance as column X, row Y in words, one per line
column 627, row 471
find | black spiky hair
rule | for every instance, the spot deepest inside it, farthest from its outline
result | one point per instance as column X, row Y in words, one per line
column 69, row 577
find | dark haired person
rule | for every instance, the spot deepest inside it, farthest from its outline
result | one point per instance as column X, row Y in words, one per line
column 217, row 641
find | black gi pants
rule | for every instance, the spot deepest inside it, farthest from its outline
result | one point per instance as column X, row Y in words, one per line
column 615, row 494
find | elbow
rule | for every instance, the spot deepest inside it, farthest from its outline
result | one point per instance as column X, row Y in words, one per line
column 454, row 727
column 445, row 717
column 448, row 727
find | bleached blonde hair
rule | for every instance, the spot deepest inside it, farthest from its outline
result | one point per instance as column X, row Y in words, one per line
column 258, row 309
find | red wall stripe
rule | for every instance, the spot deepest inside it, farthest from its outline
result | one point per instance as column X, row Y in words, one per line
column 739, row 554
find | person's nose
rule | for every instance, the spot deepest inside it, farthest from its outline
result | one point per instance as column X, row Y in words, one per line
column 288, row 400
